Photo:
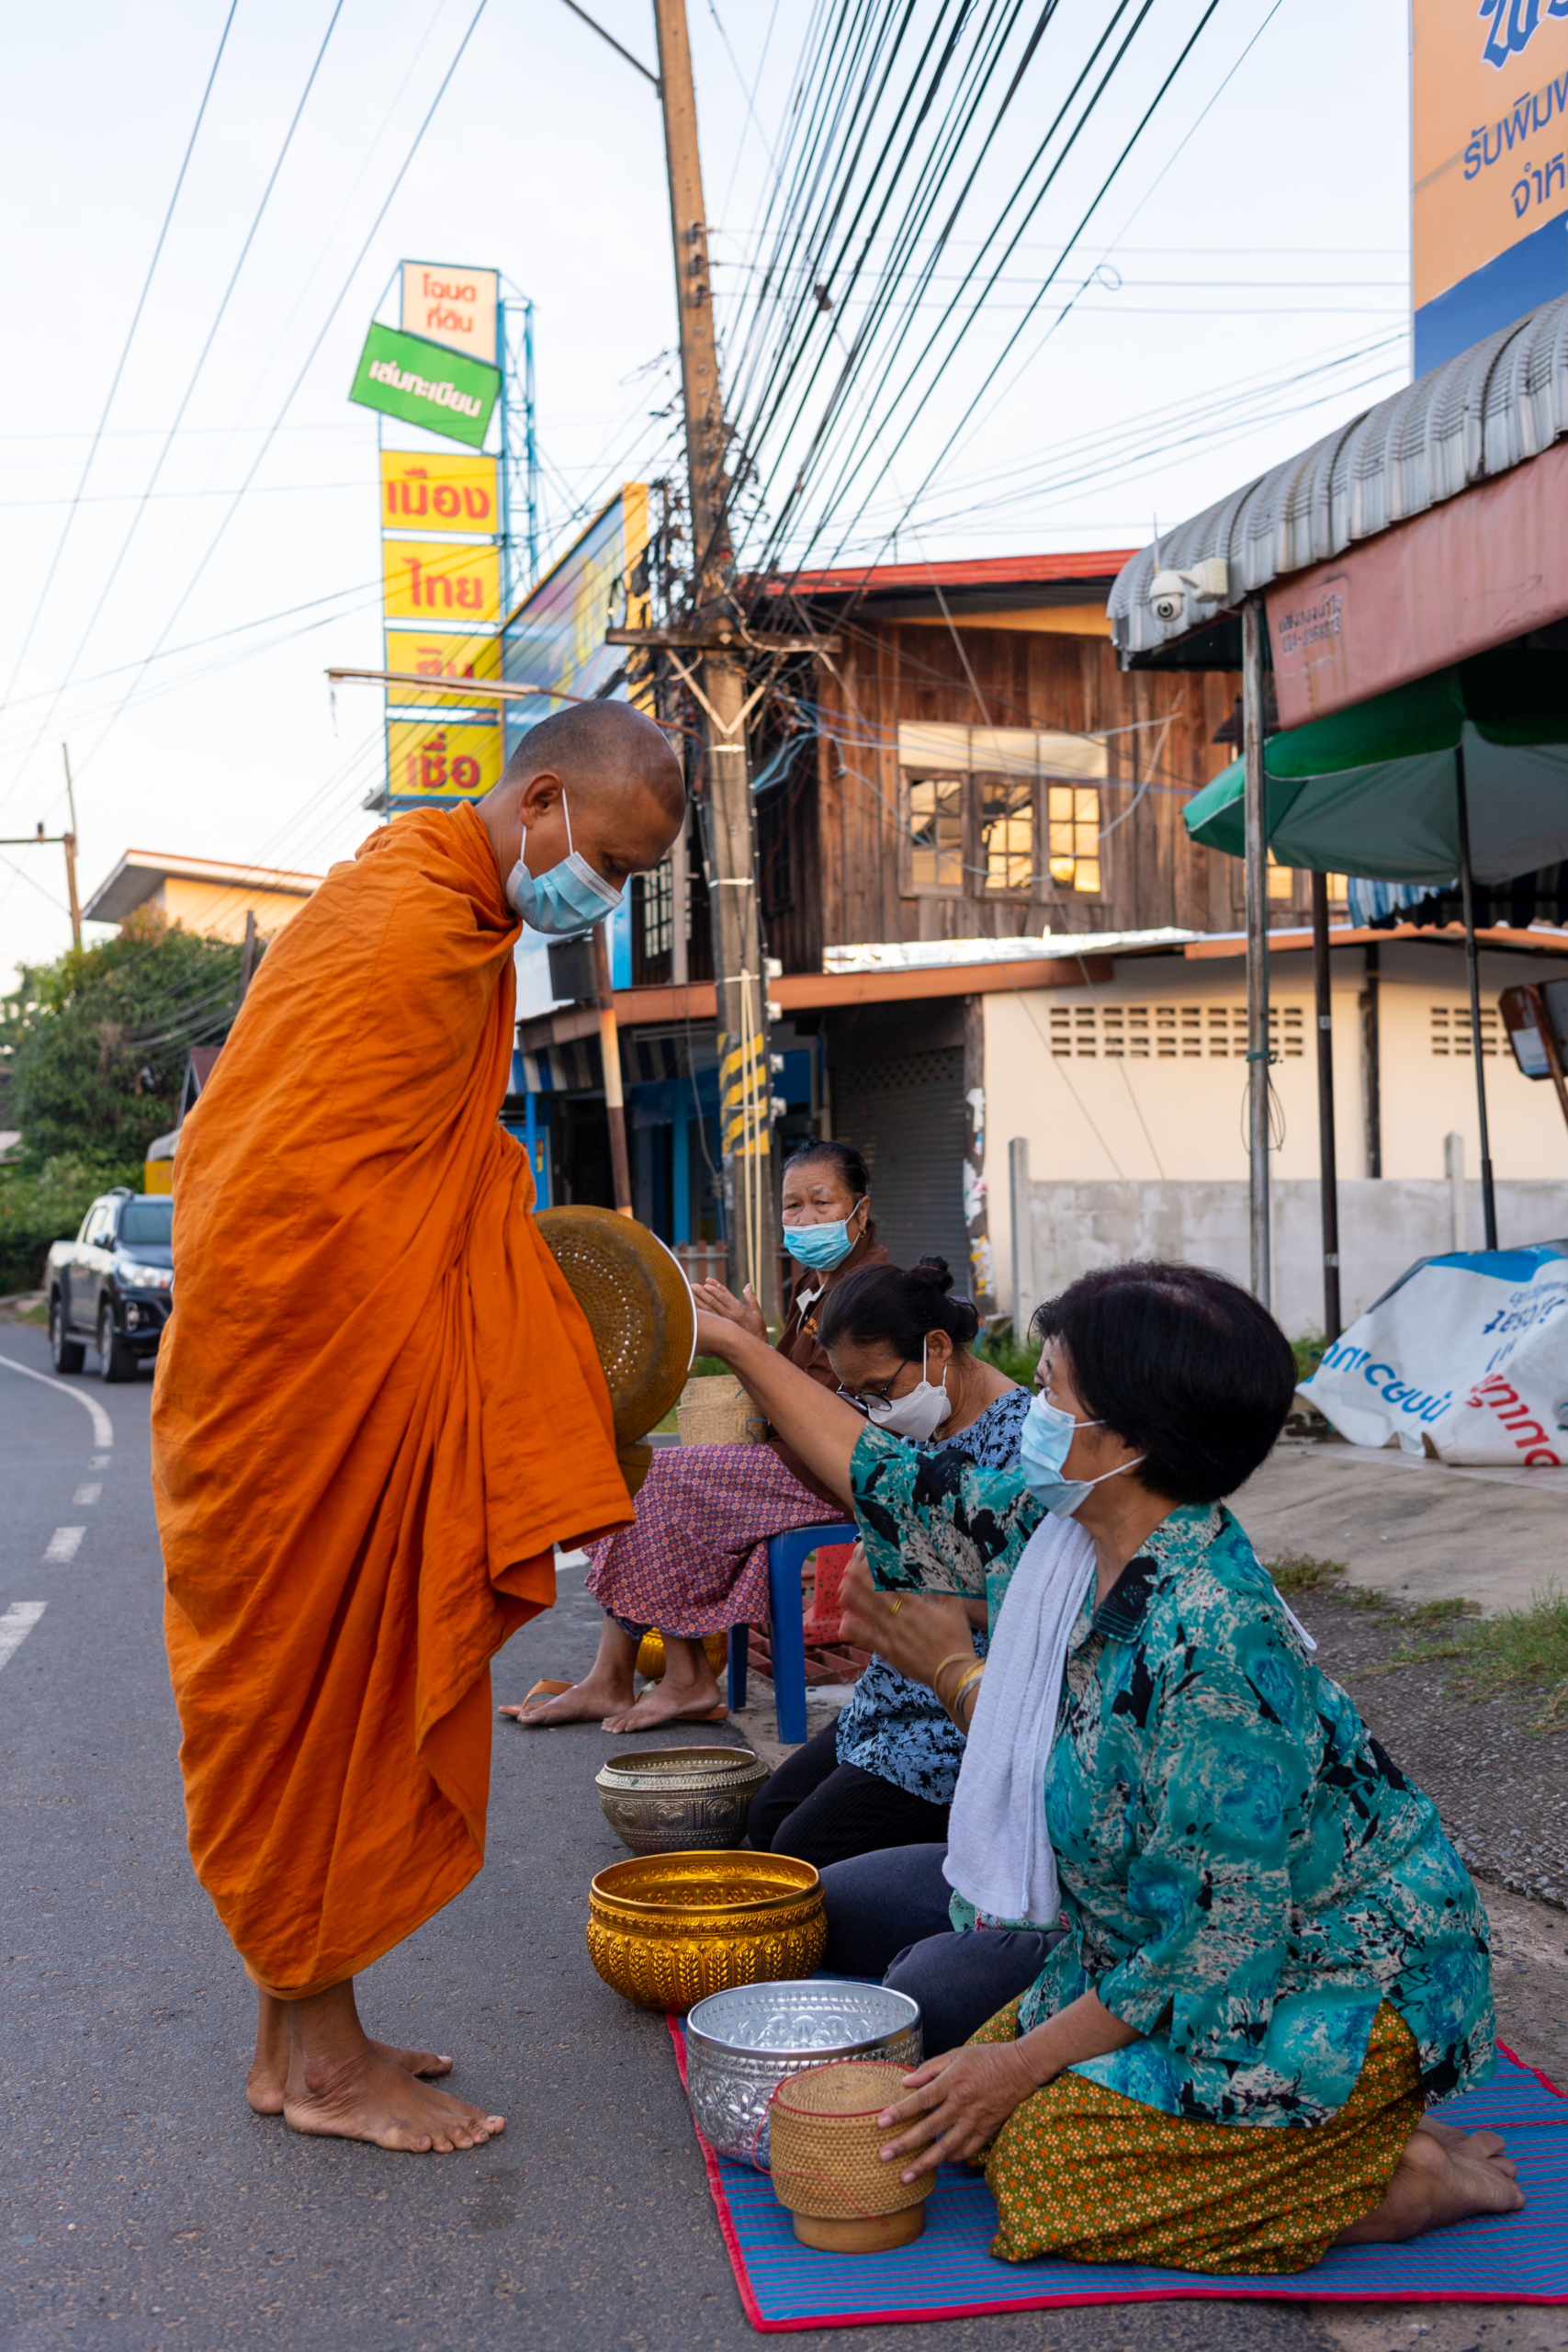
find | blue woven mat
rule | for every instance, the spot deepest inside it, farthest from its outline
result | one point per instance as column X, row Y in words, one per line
column 949, row 2273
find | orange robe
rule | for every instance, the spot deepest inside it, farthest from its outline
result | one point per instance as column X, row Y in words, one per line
column 378, row 1406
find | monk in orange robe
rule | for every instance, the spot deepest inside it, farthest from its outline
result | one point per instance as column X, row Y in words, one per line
column 378, row 1409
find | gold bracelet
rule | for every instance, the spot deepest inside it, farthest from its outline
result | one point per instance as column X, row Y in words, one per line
column 968, row 1683
column 954, row 1658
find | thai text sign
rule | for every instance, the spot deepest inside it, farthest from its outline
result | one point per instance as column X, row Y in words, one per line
column 433, row 580
column 433, row 760
column 444, row 392
column 457, row 307
column 423, row 654
column 1489, row 155
column 438, row 490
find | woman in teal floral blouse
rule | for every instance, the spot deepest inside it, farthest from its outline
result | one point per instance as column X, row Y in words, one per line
column 1274, row 1958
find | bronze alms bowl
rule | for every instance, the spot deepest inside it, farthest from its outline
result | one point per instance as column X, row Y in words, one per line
column 679, row 1799
column 668, row 1929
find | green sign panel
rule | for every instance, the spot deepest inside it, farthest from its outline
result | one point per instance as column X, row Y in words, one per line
column 424, row 383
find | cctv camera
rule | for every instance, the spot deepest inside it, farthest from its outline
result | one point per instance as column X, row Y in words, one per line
column 1168, row 595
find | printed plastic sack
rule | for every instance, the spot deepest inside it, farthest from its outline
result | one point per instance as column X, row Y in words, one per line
column 1471, row 1352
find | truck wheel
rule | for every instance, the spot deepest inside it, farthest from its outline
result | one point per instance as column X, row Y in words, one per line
column 114, row 1359
column 65, row 1355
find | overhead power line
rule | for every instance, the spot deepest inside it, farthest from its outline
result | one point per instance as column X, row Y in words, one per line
column 125, row 353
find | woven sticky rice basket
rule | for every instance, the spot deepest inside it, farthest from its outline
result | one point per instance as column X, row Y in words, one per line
column 714, row 1409
column 824, row 2142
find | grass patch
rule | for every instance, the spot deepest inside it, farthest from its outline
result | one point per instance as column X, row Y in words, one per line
column 1017, row 1360
column 1300, row 1572
column 1440, row 1613
column 1523, row 1649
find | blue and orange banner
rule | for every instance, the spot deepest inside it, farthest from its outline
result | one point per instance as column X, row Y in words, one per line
column 1489, row 106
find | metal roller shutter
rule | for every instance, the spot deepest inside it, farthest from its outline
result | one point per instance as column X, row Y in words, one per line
column 907, row 1116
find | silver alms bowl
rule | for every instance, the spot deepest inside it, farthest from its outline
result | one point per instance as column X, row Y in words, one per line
column 740, row 2045
column 680, row 1799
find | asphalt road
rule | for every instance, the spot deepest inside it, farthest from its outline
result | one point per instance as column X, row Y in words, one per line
column 146, row 2206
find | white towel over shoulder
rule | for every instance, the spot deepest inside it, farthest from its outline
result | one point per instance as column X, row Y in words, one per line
column 999, row 1856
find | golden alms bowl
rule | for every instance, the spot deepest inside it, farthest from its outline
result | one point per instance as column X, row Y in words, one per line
column 668, row 1929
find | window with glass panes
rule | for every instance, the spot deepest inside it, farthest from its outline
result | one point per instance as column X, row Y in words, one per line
column 1007, row 832
column 936, row 832
column 1072, row 814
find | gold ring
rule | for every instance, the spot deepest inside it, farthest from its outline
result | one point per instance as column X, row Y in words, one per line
column 897, row 1605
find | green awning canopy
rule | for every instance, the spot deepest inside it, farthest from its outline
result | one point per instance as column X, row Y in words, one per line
column 1371, row 790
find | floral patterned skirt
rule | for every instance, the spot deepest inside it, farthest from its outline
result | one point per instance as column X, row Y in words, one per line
column 1080, row 2172
column 695, row 1560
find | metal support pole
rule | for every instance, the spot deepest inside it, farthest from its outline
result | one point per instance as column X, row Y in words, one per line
column 1257, row 1047
column 1473, row 973
column 530, row 443
column 1327, row 1160
column 610, row 1055
column 248, row 955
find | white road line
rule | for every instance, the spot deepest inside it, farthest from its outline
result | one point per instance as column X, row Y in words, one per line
column 103, row 1427
column 16, row 1624
column 88, row 1492
column 64, row 1544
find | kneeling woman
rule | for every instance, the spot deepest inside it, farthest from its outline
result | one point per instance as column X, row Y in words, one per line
column 1274, row 1958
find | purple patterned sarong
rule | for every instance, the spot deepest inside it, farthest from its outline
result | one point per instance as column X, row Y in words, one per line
column 695, row 1560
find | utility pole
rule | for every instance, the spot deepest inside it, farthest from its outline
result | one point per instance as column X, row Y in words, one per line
column 69, row 841
column 745, row 1085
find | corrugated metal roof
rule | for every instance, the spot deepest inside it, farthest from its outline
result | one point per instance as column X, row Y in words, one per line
column 1478, row 415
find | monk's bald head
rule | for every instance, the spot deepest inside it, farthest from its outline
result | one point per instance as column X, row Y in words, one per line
column 602, row 772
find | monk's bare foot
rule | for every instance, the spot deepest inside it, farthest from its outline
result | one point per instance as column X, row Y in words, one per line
column 269, row 2068
column 367, row 2098
column 687, row 1693
column 1444, row 2176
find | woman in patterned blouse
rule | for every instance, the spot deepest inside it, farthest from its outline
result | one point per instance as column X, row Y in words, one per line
column 882, row 1775
column 1274, row 1960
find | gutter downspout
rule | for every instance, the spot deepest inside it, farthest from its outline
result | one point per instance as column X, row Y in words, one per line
column 1473, row 972
column 1257, row 868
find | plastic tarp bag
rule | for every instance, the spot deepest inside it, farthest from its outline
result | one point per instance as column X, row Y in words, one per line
column 1470, row 1351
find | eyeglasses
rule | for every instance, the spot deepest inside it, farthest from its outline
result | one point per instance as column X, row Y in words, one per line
column 867, row 1396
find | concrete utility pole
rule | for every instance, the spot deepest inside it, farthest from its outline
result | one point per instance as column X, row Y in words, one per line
column 745, row 1086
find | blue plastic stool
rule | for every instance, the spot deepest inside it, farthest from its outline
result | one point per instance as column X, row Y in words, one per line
column 787, row 1557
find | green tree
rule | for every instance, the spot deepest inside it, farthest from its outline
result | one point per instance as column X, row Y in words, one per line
column 95, row 1043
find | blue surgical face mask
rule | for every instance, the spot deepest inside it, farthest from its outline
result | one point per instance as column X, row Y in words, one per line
column 821, row 1247
column 568, row 898
column 1044, row 1446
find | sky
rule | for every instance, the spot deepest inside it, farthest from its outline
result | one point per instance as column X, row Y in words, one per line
column 1241, row 290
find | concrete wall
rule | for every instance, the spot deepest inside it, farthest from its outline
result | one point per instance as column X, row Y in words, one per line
column 218, row 912
column 1103, row 1105
column 1384, row 1226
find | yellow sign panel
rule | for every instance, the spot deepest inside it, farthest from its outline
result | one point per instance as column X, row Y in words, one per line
column 436, row 761
column 439, row 492
column 435, row 653
column 424, row 581
column 1490, row 159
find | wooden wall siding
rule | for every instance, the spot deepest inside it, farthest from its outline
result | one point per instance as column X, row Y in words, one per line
column 1151, row 873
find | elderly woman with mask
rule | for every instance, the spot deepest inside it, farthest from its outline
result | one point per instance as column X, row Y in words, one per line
column 1273, row 1961
column 694, row 1562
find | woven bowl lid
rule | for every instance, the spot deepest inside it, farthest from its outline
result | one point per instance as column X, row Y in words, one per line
column 638, row 1305
column 852, row 2088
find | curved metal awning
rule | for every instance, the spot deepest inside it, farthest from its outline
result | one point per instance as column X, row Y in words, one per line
column 1476, row 417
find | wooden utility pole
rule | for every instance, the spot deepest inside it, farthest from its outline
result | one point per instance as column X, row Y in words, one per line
column 69, row 841
column 745, row 1086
